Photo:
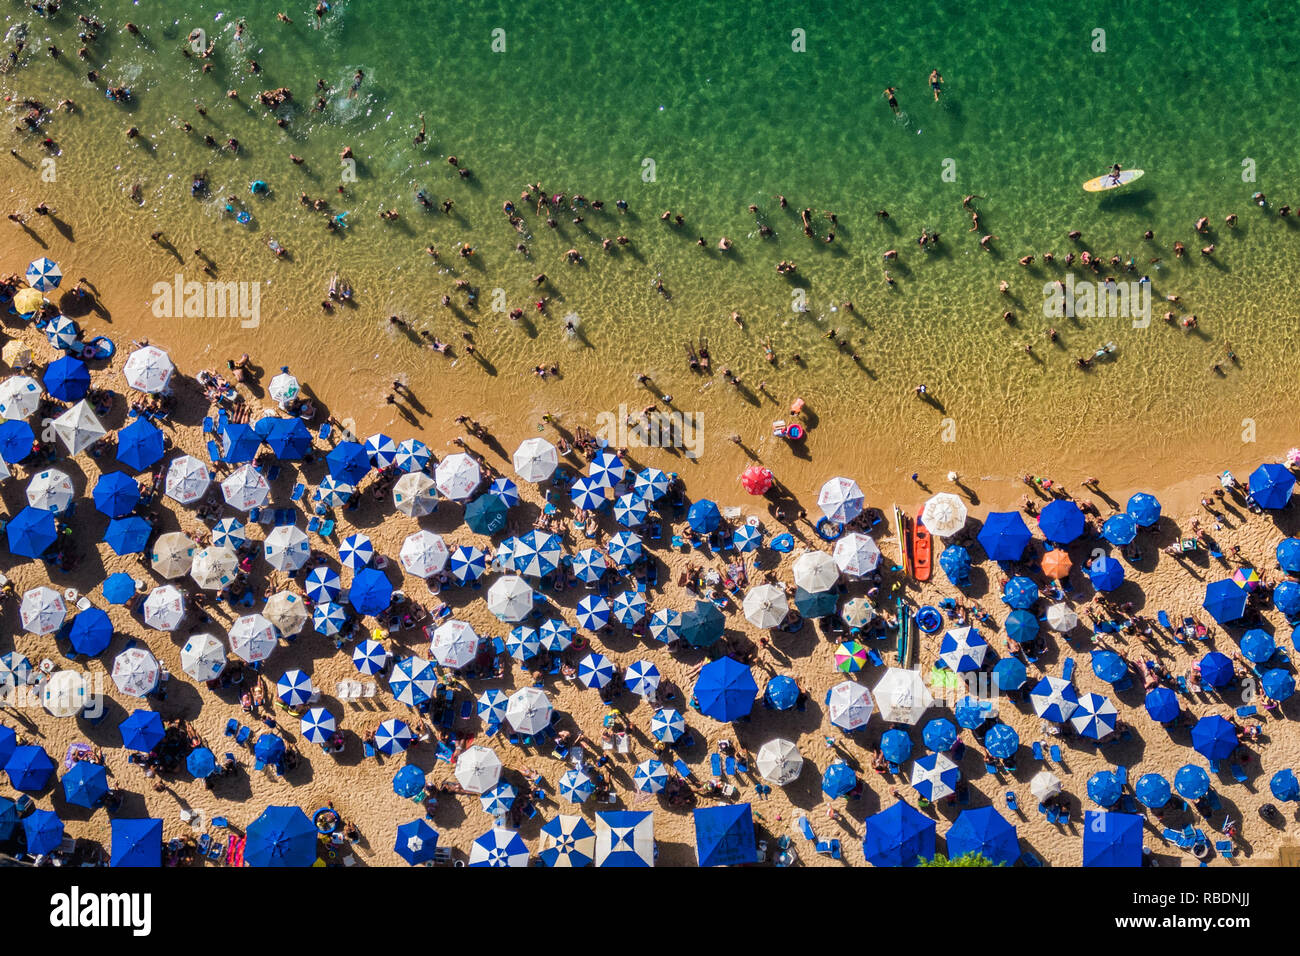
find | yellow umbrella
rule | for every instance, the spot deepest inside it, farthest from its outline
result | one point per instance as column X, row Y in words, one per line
column 27, row 301
column 16, row 354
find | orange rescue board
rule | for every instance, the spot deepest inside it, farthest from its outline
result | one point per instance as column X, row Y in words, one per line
column 920, row 549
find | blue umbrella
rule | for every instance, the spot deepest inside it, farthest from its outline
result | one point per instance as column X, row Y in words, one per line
column 118, row 588
column 1144, row 509
column 381, row 450
column 467, row 563
column 142, row 731
column 783, row 543
column 593, row 612
column 140, row 444
column 781, row 692
column 16, row 439
column 1004, row 536
column 1061, row 521
column 128, row 535
column 201, row 763
column 1162, row 705
column 371, row 591
column 1119, row 529
column 838, row 780
column 1054, row 699
column 1106, row 573
column 1214, row 738
column 392, row 737
column 587, row 494
column 31, row 532
column 1002, row 741
column 899, row 836
column 136, row 842
column 289, row 440
column 537, row 553
column 269, row 748
column 413, row 455
column 1022, row 626
column 1257, row 646
column 91, row 632
column 575, row 786
column 703, row 517
column 1277, row 684
column 239, row 443
column 896, row 746
column 1288, row 555
column 1192, row 781
column 1020, row 593
column 348, row 461
column 1217, row 669
column 486, row 514
column 44, row 832
column 1152, row 790
column 954, row 562
column 408, row 781
column 67, row 379
column 1109, row 666
column 8, row 743
column 725, row 690
column 328, row 618
column 416, row 842
column 702, row 625
column 8, row 818
column 747, row 538
column 606, row 469
column 116, row 494
column 29, row 768
column 62, row 332
column 86, row 784
column 815, row 604
column 986, row 832
column 1010, row 673
column 1225, row 600
column 1104, row 788
column 523, row 644
column 1284, row 785
column 1286, row 598
column 939, row 734
column 318, row 725
column 651, row 484
column 356, row 552
column 1112, row 839
column 492, row 706
column 1271, row 485
column 44, row 274
column 500, row 848
column 666, row 625
column 969, row 712
column 294, row 688
column 281, row 836
column 724, row 835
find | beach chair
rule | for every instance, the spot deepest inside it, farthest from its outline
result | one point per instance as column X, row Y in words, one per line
column 313, row 525
column 368, row 691
column 1182, row 685
column 1011, row 801
column 1173, row 836
column 327, row 528
column 1122, row 774
column 243, row 735
column 1067, row 669
column 715, row 764
column 325, row 431
column 1038, row 750
column 1247, row 711
column 298, row 490
column 1225, row 848
column 370, row 751
column 730, row 763
column 1030, row 858
column 1056, row 753
column 874, row 656
column 214, row 453
column 806, row 828
column 232, row 727
column 1238, row 771
column 208, row 427
column 1214, row 767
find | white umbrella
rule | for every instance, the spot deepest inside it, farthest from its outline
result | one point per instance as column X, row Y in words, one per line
column 1061, row 617
column 164, row 608
column 252, row 638
column 246, row 488
column 478, row 769
column 203, row 657
column 148, row 369
column 510, row 598
column 19, row 396
column 78, row 428
column 135, row 672
column 944, row 514
column 286, row 611
column 50, row 490
column 187, row 479
column 286, row 548
column 1044, row 784
column 414, row 495
column 214, row 567
column 535, row 459
column 766, row 606
column 857, row 554
column 283, row 388
column 457, row 476
column 779, row 762
column 902, row 696
column 840, row 500
column 528, row 711
column 454, row 644
column 424, row 554
column 173, row 554
column 815, row 571
column 849, row 705
column 42, row 610
column 64, row 694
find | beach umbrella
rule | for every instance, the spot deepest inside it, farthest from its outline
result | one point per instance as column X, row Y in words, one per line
column 1152, row 790
column 1044, row 784
column 523, row 643
column 294, row 688
column 78, row 428
column 228, row 533
column 593, row 612
column 29, row 768
column 725, row 690
column 815, row 571
column 369, row 657
column 467, row 563
column 393, row 736
column 537, row 554
column 136, row 672
column 576, row 786
column 457, row 476
column 625, row 839
column 64, row 694
column 416, row 842
column 856, row 554
column 535, row 460
column 567, row 841
column 1286, row 598
column 1109, row 666
column 1216, row 669
column 896, row 746
column 187, row 480
column 42, row 610
column 356, row 552
column 1022, row 626
column 850, row 657
column 650, row 776
column 15, row 353
column 252, row 638
column 284, row 387
column 1056, row 564
column 91, row 632
column 1271, row 485
column 19, row 397
column 1119, row 529
column 642, row 678
column 840, row 500
column 666, row 625
column 499, row 847
column 348, row 461
column 595, row 670
column 1277, row 684
column 332, row 493
column 164, row 608
column 778, row 761
column 118, row 588
column 1095, row 717
column 128, row 535
column 606, row 469
column 1020, row 593
column 747, row 537
column 1106, row 573
column 850, row 705
column 214, row 567
column 323, row 584
column 704, row 517
column 412, row 681
column 246, row 488
column 1144, row 509
column 1284, row 786
column 67, row 379
column 625, row 549
column 486, row 514
column 478, row 769
column 1112, row 839
column 492, row 706
column 970, row 713
column 651, row 484
column 140, row 446
column 136, row 842
column 1214, row 738
column 424, row 554
column 201, row 763
column 939, row 734
column 44, row 274
column 31, row 532
column 765, row 606
column 172, row 555
column 269, row 748
column 586, row 494
column 1247, row 578
column 1002, row 741
column 631, row 510
column 44, row 831
column 203, row 657
column 63, row 333
column 16, row 440
column 756, row 479
column 1009, row 674
column 408, row 782
column 148, row 369
column 1004, row 536
column 328, row 618
column 589, row 565
column 857, row 612
column 116, row 494
column 281, row 836
column 1191, row 781
column 1288, row 555
column 1162, row 705
column 703, row 625
column 498, row 801
column 142, row 731
column 511, row 599
column 984, row 831
column 506, row 490
column 1061, row 521
column 414, row 495
column 1104, row 788
column 1257, row 646
column 239, row 443
column 454, row 645
column 286, row 548
column 381, row 450
column 288, row 439
column 838, row 780
column 668, row 725
column 781, row 693
column 898, row 836
column 1054, row 699
column 8, row 743
column 1062, row 618
column 529, row 711
column 944, row 514
column 901, row 695
column 954, row 562
column 963, row 649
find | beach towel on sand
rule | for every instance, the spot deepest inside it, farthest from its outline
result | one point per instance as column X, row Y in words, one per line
column 235, row 851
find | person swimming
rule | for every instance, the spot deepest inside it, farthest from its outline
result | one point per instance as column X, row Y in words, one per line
column 893, row 101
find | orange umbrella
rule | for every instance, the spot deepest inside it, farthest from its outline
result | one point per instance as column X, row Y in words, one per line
column 756, row 479
column 1056, row 564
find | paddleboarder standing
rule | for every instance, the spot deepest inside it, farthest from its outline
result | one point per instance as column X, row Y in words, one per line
column 1114, row 174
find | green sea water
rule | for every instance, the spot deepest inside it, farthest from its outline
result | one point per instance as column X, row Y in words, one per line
column 703, row 108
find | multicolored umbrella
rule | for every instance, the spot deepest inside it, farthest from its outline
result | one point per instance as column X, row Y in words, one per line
column 850, row 657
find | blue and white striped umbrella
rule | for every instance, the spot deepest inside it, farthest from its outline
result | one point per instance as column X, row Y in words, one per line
column 44, row 274
column 62, row 332
column 963, row 649
column 631, row 510
column 629, row 608
column 668, row 725
column 498, row 801
column 572, row 842
column 642, row 678
column 504, row 554
column 381, row 450
column 506, row 490
column 593, row 612
column 935, row 776
column 556, row 635
column 333, row 492
column 499, row 847
column 606, row 469
column 666, row 625
column 323, row 584
column 586, row 494
column 16, row 665
column 412, row 681
column 317, row 725
column 1054, row 699
column 595, row 670
column 229, row 533
column 576, row 786
column 650, row 776
column 369, row 656
column 467, row 563
column 537, row 553
column 393, row 736
column 746, row 538
column 294, row 688
column 625, row 549
column 523, row 644
column 939, row 734
column 492, row 706
column 589, row 565
column 328, row 618
column 651, row 484
column 356, row 552
column 1095, row 716
column 413, row 455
